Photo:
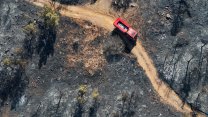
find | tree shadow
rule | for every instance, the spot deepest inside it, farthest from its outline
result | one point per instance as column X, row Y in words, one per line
column 185, row 89
column 93, row 1
column 78, row 110
column 129, row 105
column 43, row 44
column 46, row 41
column 129, row 43
column 28, row 46
column 94, row 108
column 12, row 86
column 179, row 13
column 79, row 106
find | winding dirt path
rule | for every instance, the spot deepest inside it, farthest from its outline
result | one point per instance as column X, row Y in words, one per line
column 106, row 21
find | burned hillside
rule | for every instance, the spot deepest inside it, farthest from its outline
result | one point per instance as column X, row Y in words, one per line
column 79, row 68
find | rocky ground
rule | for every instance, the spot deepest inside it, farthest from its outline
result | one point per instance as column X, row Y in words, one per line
column 87, row 56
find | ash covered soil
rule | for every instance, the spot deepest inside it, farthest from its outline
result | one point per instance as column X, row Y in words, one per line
column 178, row 31
column 87, row 56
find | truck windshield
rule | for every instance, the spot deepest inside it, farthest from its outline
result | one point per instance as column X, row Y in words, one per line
column 122, row 26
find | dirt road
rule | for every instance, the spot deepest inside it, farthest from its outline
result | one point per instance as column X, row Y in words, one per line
column 100, row 19
column 84, row 13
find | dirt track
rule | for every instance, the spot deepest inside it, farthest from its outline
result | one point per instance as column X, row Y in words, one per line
column 85, row 13
column 100, row 19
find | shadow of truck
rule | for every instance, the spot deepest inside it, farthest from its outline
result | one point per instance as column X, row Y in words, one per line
column 129, row 43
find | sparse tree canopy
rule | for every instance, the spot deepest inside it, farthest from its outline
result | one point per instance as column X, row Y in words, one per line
column 50, row 16
column 82, row 89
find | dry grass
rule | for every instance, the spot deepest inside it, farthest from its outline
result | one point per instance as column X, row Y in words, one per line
column 91, row 57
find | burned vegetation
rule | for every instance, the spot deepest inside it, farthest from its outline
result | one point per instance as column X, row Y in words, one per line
column 41, row 36
column 121, row 5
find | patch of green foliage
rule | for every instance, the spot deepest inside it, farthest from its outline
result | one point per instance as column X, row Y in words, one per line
column 95, row 94
column 30, row 28
column 7, row 61
column 50, row 16
column 82, row 89
column 81, row 92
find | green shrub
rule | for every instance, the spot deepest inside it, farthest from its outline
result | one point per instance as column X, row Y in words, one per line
column 7, row 61
column 81, row 92
column 30, row 28
column 81, row 100
column 82, row 89
column 50, row 16
column 95, row 94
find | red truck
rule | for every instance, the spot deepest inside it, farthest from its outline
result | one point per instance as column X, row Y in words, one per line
column 125, row 28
